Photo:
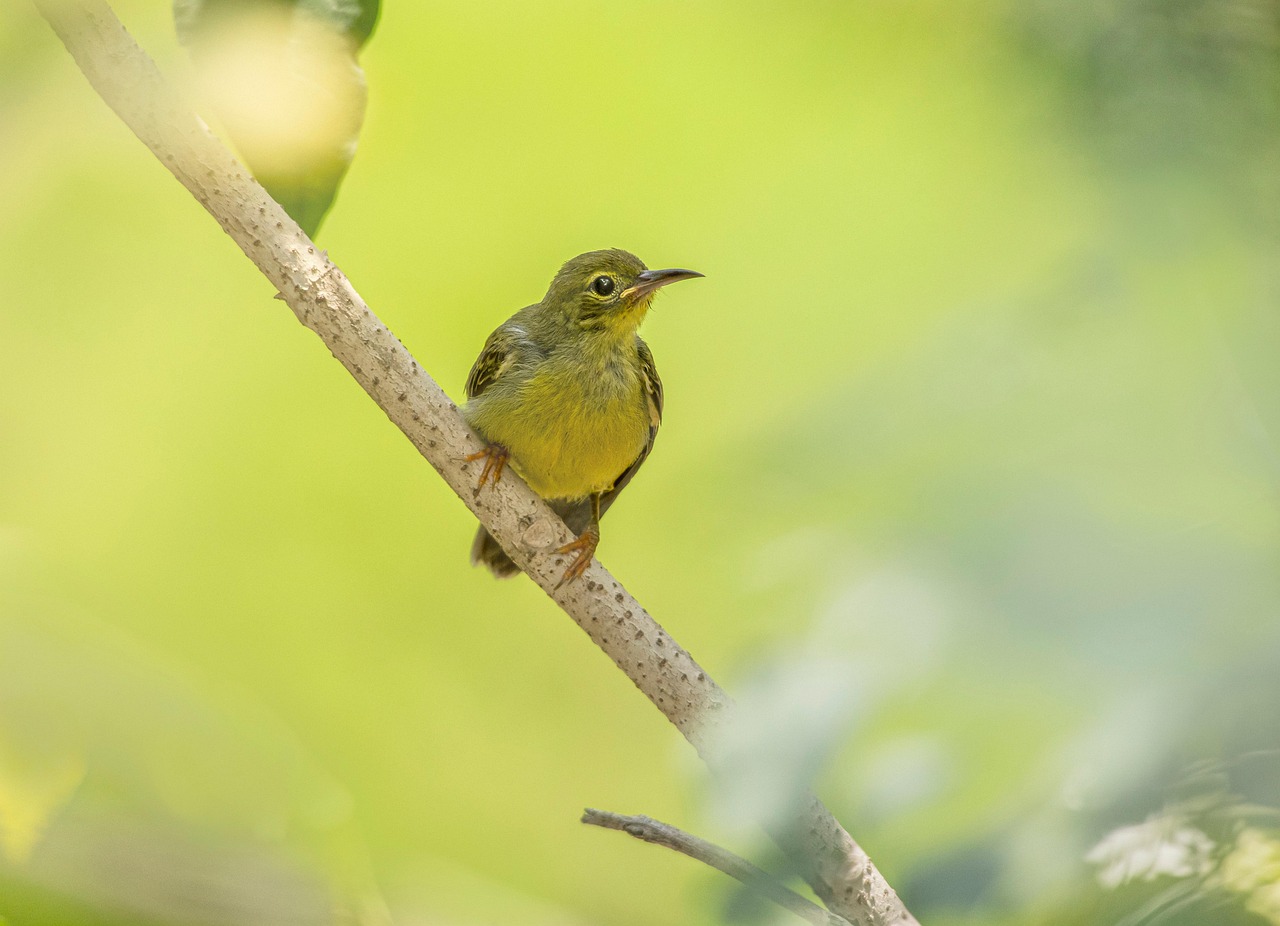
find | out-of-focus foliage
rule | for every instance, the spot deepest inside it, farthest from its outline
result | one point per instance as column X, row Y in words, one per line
column 283, row 78
column 967, row 487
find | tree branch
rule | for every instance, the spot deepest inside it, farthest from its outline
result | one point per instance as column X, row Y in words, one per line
column 757, row 879
column 323, row 300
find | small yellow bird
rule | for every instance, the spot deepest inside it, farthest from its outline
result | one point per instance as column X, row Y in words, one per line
column 567, row 392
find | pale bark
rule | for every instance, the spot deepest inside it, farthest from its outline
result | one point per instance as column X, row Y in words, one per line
column 719, row 858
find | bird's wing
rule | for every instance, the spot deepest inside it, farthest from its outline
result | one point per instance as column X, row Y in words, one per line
column 652, row 389
column 498, row 356
column 577, row 515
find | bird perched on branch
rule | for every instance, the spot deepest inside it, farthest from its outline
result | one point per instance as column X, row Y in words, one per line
column 567, row 394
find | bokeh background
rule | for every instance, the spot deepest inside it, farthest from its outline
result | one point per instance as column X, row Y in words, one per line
column 967, row 486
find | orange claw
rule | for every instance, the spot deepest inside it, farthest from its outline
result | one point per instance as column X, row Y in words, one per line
column 585, row 547
column 495, row 458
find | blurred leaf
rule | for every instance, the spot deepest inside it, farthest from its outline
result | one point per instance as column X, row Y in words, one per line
column 1253, row 869
column 354, row 18
column 282, row 75
column 1162, row 846
column 34, row 782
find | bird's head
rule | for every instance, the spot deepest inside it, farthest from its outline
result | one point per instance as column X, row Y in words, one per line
column 609, row 290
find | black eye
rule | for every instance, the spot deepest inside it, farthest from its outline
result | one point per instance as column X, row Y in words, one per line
column 603, row 286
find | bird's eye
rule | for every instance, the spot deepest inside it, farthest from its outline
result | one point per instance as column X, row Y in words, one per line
column 603, row 286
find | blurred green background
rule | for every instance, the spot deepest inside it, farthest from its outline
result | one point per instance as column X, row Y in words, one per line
column 967, row 485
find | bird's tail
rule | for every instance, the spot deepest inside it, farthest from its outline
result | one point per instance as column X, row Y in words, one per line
column 486, row 550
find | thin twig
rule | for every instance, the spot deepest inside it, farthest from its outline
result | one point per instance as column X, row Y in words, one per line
column 323, row 300
column 721, row 859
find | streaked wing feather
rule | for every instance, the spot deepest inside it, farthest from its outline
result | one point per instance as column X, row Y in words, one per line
column 498, row 356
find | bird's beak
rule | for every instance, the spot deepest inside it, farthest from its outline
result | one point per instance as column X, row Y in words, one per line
column 652, row 280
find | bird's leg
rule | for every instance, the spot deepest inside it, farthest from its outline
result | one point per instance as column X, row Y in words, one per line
column 495, row 458
column 584, row 546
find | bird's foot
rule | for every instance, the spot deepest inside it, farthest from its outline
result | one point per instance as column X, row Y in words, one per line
column 585, row 547
column 495, row 458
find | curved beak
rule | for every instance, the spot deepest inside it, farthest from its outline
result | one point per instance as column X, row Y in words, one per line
column 652, row 280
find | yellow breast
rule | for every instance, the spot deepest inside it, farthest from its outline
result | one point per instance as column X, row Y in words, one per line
column 569, row 435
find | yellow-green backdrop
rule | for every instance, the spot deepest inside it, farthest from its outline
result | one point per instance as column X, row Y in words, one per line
column 966, row 485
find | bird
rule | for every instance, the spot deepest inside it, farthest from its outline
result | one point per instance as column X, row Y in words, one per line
column 567, row 394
